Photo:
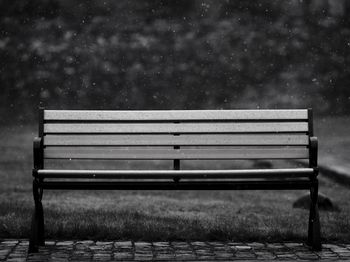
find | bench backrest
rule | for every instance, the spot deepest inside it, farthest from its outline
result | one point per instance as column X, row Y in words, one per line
column 176, row 134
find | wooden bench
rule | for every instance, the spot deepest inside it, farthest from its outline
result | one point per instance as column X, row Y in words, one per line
column 175, row 135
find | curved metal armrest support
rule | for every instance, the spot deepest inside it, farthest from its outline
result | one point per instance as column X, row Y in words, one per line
column 38, row 153
column 313, row 153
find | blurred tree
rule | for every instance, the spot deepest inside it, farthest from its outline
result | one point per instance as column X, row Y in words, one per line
column 29, row 8
column 121, row 54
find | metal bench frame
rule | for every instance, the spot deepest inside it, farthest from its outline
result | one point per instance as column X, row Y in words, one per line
column 37, row 237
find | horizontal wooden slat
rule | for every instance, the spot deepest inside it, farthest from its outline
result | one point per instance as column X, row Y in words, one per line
column 174, row 115
column 177, row 128
column 187, row 139
column 170, row 174
column 161, row 153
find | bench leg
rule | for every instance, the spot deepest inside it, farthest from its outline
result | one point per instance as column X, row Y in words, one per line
column 33, row 239
column 37, row 237
column 314, row 235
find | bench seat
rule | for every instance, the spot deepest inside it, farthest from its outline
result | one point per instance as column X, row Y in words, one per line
column 90, row 138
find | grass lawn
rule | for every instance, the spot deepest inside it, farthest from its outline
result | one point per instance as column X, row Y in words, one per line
column 334, row 141
column 161, row 215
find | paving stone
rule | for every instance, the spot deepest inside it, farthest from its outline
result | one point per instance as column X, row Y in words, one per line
column 307, row 255
column 275, row 246
column 143, row 257
column 327, row 255
column 164, row 256
column 104, row 243
column 18, row 255
column 85, row 242
column 256, row 245
column 95, row 248
column 101, row 257
column 286, row 256
column 22, row 259
column 242, row 255
column 37, row 257
column 264, row 255
column 236, row 243
column 64, row 243
column 142, row 244
column 58, row 259
column 293, row 245
column 163, row 251
column 344, row 254
column 83, row 252
column 81, row 247
column 123, row 255
column 181, row 246
column 330, row 246
column 184, row 256
column 223, row 255
column 10, row 242
column 5, row 252
column 204, row 251
column 216, row 244
column 207, row 258
column 161, row 244
column 16, row 250
column 242, row 247
column 199, row 243
column 340, row 250
column 122, row 243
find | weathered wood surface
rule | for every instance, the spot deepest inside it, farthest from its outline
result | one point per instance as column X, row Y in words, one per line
column 153, row 128
column 174, row 115
column 186, row 139
column 163, row 153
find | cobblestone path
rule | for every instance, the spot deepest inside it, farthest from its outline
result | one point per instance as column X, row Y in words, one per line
column 16, row 250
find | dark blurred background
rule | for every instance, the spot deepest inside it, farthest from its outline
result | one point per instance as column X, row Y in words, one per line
column 173, row 54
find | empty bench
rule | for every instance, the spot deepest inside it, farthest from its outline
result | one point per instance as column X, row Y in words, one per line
column 174, row 135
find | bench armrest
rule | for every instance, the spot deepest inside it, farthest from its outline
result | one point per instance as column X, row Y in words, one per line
column 313, row 152
column 38, row 153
